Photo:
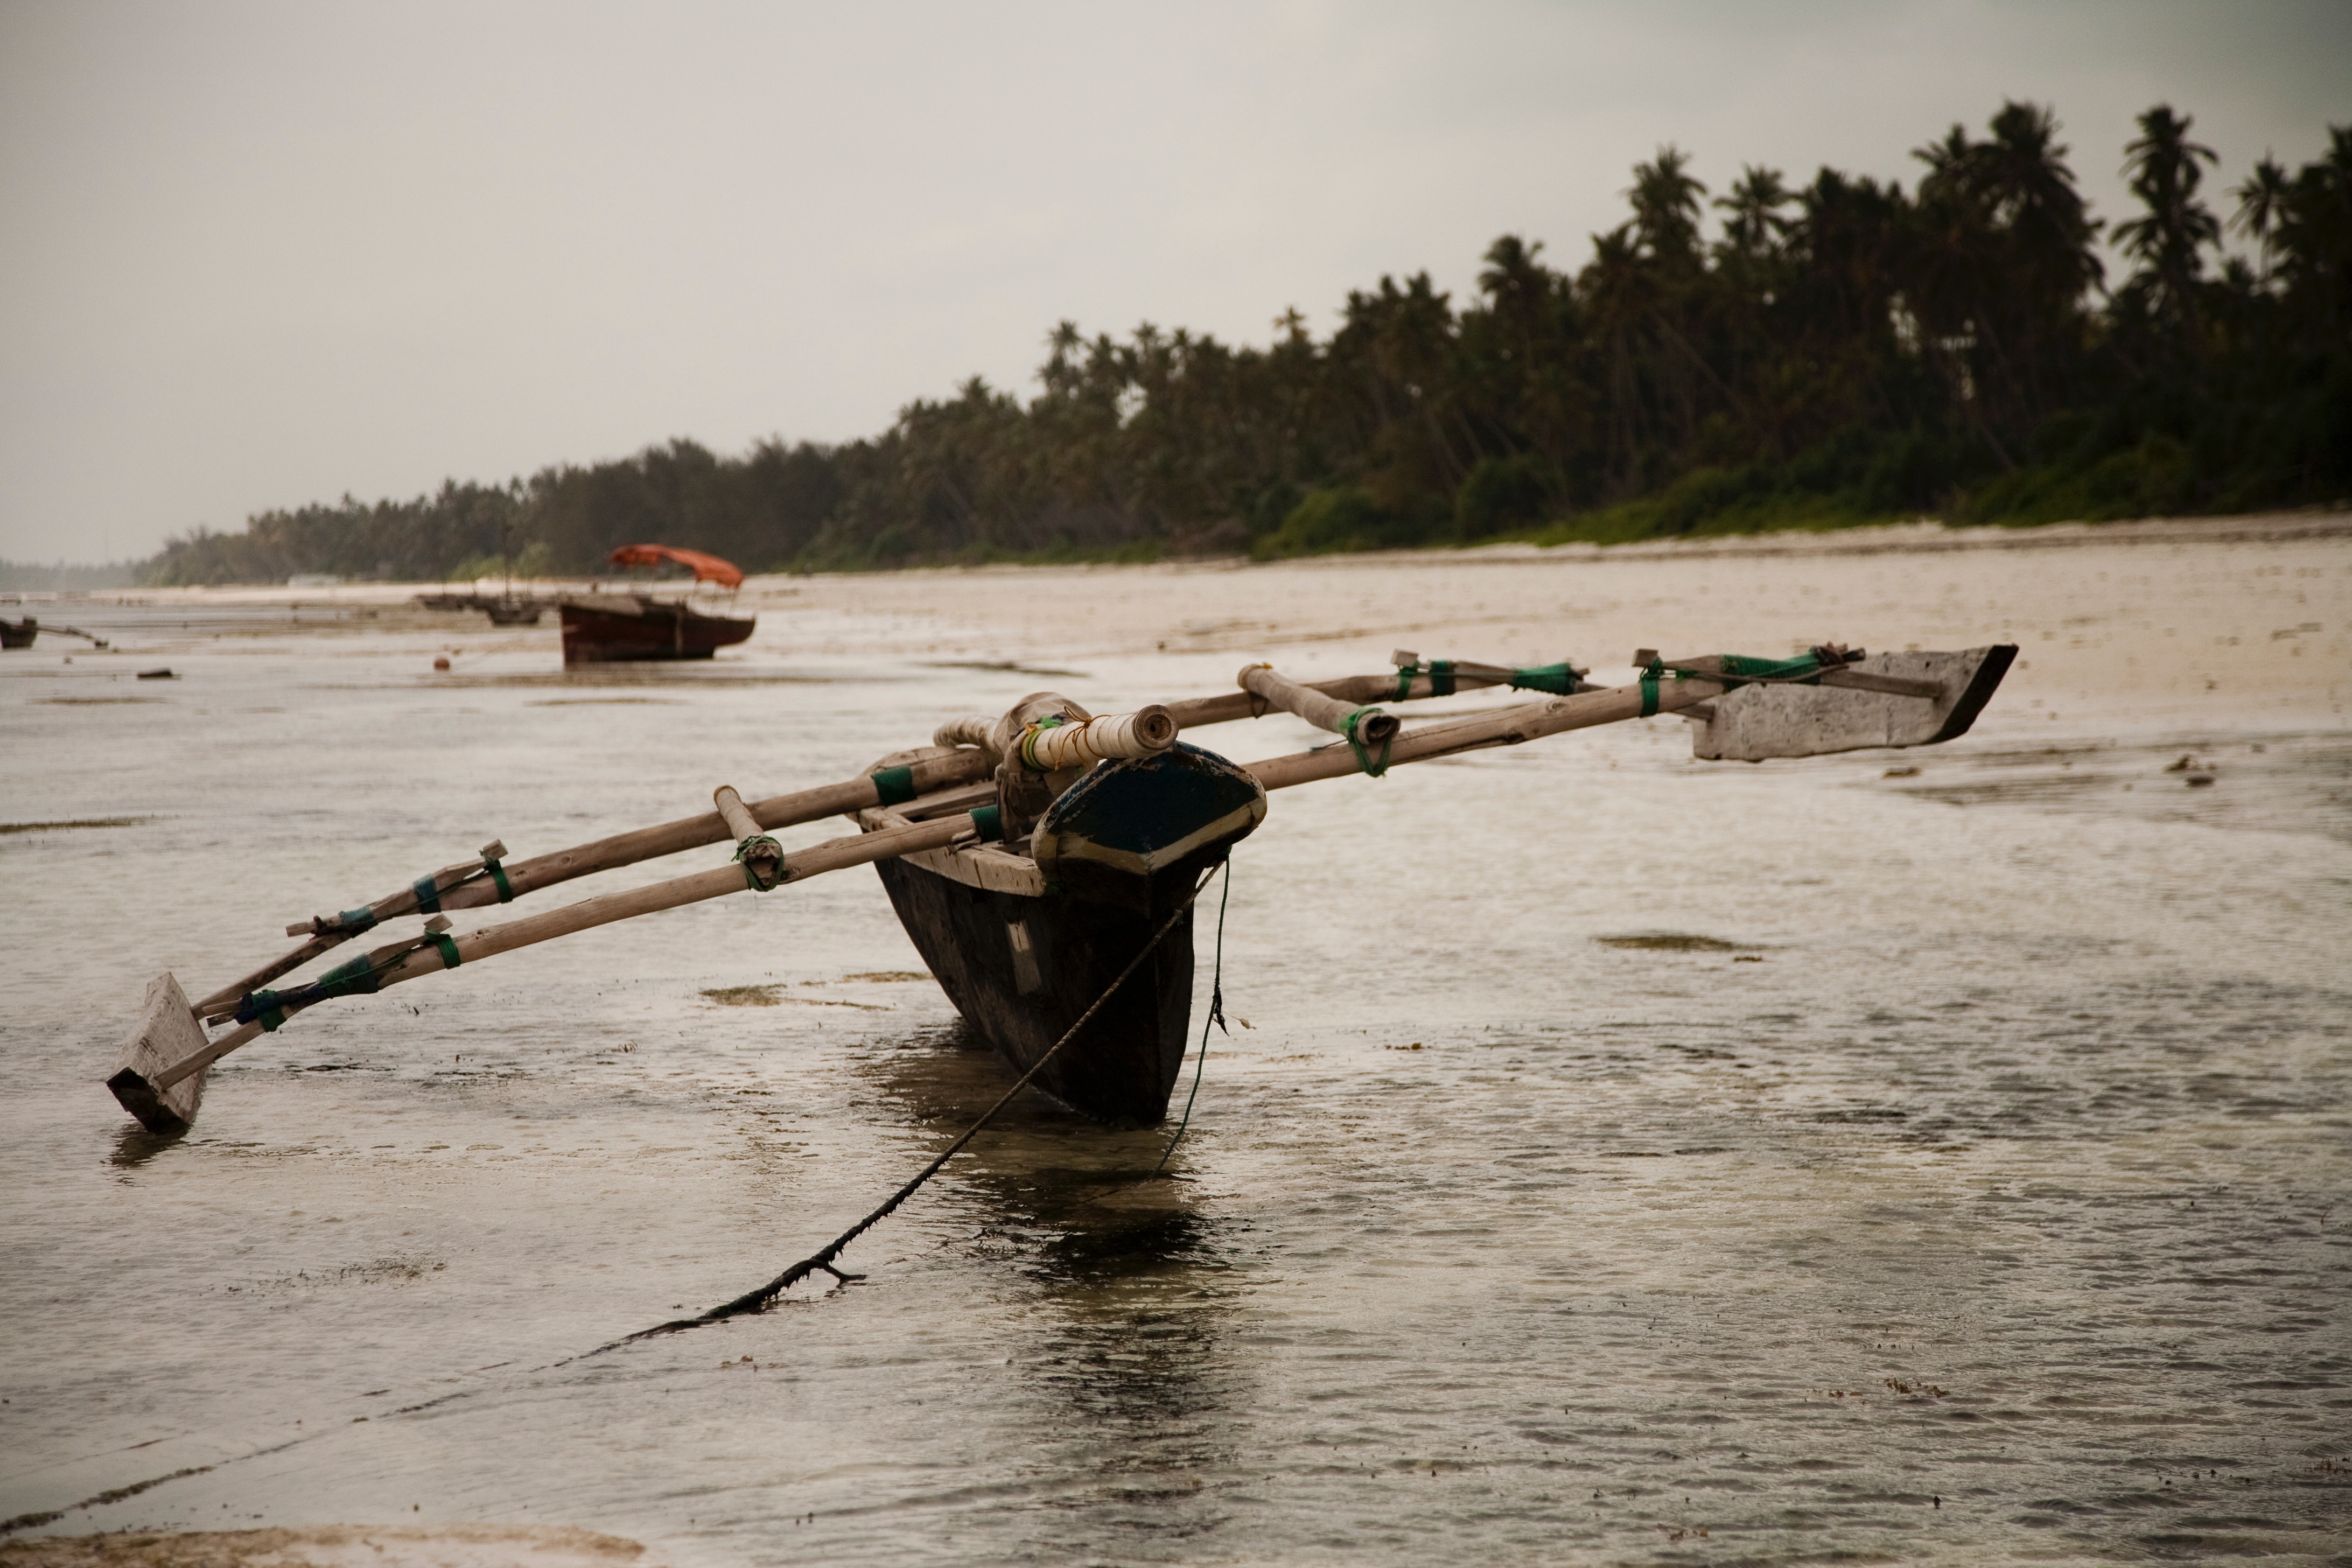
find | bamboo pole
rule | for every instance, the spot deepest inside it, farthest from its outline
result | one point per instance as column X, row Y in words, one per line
column 1318, row 707
column 761, row 856
column 1355, row 690
column 1146, row 732
column 833, row 855
column 465, row 886
column 461, row 887
column 1510, row 727
column 740, row 823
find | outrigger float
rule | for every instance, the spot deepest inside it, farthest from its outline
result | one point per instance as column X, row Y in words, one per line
column 1044, row 861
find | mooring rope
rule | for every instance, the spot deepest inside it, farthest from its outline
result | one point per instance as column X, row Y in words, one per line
column 1216, row 1016
column 753, row 1300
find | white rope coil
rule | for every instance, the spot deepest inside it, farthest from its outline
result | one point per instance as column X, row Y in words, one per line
column 1145, row 732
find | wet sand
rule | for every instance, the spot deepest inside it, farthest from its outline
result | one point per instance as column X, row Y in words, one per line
column 1627, row 1159
column 334, row 1546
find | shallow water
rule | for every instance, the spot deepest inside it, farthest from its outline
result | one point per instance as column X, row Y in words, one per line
column 1976, row 1189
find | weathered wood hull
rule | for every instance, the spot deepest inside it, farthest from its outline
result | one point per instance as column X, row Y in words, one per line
column 1024, row 943
column 19, row 633
column 1022, row 970
column 650, row 629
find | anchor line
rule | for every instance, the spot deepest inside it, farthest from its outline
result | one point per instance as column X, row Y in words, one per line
column 755, row 1300
column 1216, row 1016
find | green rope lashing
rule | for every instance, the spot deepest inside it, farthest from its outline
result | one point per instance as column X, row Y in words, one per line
column 360, row 978
column 760, row 847
column 1364, row 759
column 448, row 950
column 1441, row 678
column 1029, row 742
column 894, row 786
column 1733, row 670
column 428, row 895
column 262, row 1006
column 1558, row 679
column 988, row 821
column 1804, row 670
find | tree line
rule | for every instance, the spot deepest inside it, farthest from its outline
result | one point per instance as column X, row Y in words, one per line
column 1838, row 351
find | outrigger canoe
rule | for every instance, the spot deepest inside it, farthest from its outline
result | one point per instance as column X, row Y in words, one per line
column 1045, row 861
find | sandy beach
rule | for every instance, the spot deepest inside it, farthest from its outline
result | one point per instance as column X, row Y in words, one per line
column 2195, row 618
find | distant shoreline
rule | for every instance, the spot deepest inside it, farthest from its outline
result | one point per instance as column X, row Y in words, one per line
column 1923, row 538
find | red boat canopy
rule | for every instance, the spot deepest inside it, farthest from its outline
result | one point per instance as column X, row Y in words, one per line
column 706, row 568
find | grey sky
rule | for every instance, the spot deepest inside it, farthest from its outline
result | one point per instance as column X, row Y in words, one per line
column 257, row 255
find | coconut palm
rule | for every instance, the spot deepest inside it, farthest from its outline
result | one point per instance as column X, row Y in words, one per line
column 2262, row 205
column 2162, row 167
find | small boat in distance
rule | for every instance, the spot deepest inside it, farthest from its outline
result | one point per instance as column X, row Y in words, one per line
column 20, row 633
column 604, row 627
column 507, row 611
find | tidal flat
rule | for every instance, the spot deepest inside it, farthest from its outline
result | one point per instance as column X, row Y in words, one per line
column 1942, row 1157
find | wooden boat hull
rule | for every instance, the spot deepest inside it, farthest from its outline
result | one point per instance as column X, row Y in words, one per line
column 645, row 628
column 1023, row 947
column 19, row 633
column 1122, row 1066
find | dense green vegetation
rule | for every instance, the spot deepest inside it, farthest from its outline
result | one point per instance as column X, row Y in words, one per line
column 1841, row 351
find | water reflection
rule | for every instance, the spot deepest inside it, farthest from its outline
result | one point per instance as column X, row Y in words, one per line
column 1132, row 1290
column 134, row 1146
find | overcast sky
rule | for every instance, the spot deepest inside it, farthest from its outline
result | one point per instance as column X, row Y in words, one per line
column 257, row 255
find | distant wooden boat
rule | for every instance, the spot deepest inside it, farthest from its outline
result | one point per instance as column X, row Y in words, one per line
column 20, row 633
column 504, row 610
column 613, row 628
column 606, row 628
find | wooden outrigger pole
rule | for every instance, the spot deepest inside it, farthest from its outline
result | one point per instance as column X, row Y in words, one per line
column 948, row 808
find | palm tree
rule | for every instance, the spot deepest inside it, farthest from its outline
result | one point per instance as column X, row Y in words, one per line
column 1755, row 226
column 1666, row 206
column 2263, row 206
column 2162, row 166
